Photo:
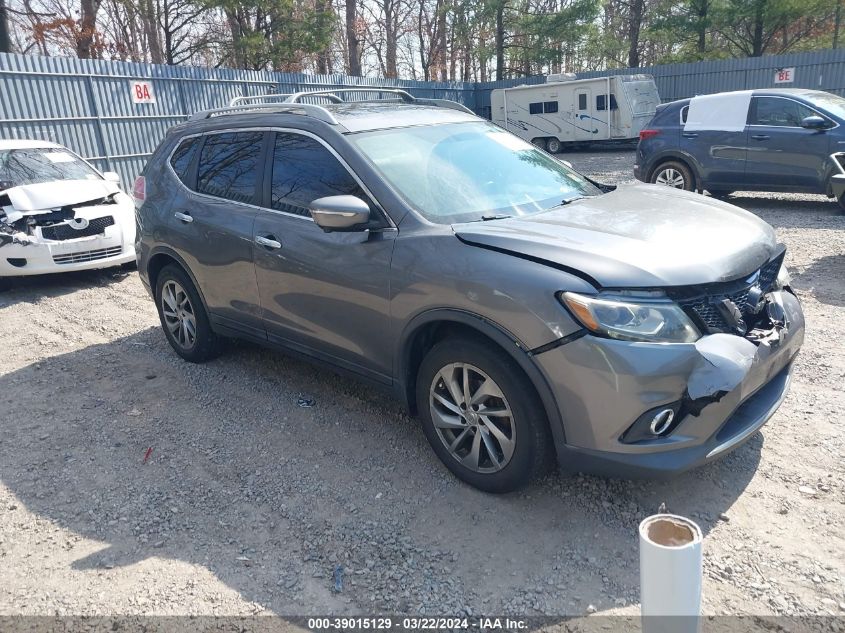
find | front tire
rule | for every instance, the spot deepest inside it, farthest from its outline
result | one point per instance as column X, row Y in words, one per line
column 841, row 201
column 553, row 145
column 482, row 416
column 673, row 174
column 183, row 317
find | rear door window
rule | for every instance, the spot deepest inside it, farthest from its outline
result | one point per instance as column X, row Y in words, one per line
column 304, row 170
column 229, row 165
column 774, row 111
column 182, row 158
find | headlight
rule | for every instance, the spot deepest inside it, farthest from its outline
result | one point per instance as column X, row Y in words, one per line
column 783, row 279
column 632, row 319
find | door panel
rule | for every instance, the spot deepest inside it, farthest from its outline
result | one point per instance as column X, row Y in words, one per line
column 324, row 293
column 781, row 154
column 214, row 234
column 719, row 154
column 584, row 124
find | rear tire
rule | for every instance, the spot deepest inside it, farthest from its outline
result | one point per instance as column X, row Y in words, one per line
column 183, row 317
column 553, row 145
column 461, row 378
column 673, row 174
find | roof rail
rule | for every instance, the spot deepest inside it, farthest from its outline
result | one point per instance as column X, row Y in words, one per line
column 245, row 98
column 331, row 93
column 315, row 111
column 286, row 102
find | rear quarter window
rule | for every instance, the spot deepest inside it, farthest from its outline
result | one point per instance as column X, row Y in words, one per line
column 182, row 159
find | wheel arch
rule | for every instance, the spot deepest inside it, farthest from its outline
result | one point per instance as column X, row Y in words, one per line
column 434, row 325
column 161, row 258
column 680, row 157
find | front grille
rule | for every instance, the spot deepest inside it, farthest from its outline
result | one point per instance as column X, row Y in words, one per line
column 66, row 232
column 703, row 308
column 87, row 256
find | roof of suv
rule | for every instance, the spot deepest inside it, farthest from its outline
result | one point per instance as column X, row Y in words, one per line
column 348, row 116
column 759, row 92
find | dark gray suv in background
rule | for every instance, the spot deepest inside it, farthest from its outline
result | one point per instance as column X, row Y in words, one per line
column 523, row 311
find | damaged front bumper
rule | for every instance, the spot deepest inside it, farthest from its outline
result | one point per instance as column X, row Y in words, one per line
column 721, row 389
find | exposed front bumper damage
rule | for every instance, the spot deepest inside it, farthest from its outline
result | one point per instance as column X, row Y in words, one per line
column 722, row 388
column 73, row 233
column 837, row 178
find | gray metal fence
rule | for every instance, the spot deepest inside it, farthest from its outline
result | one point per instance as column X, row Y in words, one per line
column 87, row 104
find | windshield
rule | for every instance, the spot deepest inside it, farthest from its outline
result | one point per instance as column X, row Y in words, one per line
column 463, row 172
column 831, row 103
column 42, row 164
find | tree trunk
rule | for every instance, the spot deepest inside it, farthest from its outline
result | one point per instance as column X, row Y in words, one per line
column 87, row 28
column 150, row 25
column 635, row 21
column 500, row 41
column 320, row 8
column 354, row 68
column 390, row 37
column 837, row 24
column 702, row 12
column 757, row 41
column 5, row 43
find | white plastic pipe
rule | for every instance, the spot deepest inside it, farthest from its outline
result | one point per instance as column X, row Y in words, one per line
column 670, row 574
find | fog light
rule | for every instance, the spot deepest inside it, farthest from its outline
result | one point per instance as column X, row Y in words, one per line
column 17, row 262
column 661, row 421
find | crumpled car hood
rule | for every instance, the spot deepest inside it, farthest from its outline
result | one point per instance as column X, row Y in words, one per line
column 638, row 236
column 50, row 195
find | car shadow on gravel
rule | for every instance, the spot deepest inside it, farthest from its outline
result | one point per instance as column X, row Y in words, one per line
column 220, row 466
column 30, row 289
column 823, row 279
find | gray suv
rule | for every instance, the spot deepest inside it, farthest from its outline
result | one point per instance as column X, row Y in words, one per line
column 524, row 312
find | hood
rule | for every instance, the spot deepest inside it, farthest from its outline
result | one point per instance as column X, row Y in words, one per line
column 637, row 236
column 44, row 196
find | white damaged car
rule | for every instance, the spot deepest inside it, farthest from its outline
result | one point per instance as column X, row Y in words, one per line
column 58, row 213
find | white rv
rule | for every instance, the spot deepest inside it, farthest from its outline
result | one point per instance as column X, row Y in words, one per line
column 565, row 110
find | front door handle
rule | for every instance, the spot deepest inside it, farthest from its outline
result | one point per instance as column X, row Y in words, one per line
column 761, row 137
column 184, row 217
column 690, row 135
column 269, row 241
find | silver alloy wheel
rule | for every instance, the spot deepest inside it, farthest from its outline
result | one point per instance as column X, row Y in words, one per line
column 670, row 177
column 178, row 314
column 553, row 145
column 472, row 417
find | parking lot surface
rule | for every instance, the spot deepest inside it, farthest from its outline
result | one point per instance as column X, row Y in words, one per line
column 132, row 482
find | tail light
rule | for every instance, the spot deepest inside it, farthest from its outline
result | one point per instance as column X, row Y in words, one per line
column 139, row 189
column 644, row 134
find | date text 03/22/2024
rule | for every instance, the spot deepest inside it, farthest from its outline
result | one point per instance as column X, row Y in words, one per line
column 415, row 623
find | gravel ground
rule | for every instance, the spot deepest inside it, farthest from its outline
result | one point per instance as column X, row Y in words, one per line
column 248, row 503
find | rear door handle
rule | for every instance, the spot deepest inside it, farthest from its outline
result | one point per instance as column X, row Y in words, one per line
column 269, row 241
column 690, row 135
column 184, row 217
column 761, row 137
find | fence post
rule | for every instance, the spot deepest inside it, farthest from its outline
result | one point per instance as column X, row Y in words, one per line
column 101, row 138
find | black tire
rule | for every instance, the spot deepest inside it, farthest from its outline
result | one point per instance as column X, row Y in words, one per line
column 532, row 453
column 721, row 195
column 553, row 145
column 205, row 344
column 841, row 202
column 665, row 173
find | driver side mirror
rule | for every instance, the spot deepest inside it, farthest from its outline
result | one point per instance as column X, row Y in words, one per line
column 340, row 213
column 814, row 122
